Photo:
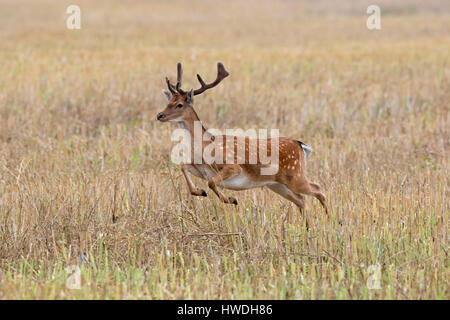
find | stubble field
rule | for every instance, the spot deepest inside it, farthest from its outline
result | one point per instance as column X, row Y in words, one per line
column 87, row 187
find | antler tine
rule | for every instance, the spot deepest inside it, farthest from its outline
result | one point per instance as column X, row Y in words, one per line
column 177, row 88
column 170, row 86
column 221, row 74
column 179, row 78
column 179, row 74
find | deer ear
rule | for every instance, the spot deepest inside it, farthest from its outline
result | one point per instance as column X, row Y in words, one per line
column 167, row 94
column 190, row 96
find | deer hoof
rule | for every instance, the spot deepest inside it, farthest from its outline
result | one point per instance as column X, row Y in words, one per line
column 204, row 194
column 232, row 200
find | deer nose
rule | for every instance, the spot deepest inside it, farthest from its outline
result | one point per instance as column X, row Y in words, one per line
column 160, row 116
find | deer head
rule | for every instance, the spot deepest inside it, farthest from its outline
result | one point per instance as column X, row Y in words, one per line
column 181, row 102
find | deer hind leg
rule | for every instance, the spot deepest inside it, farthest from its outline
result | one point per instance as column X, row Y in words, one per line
column 186, row 169
column 223, row 174
column 296, row 198
column 316, row 192
column 312, row 189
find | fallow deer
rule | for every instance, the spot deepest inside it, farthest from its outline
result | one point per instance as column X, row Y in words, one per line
column 289, row 182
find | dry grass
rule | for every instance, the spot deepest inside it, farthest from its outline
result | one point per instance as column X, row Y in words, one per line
column 79, row 145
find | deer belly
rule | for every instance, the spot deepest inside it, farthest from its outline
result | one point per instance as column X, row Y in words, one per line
column 241, row 182
column 203, row 171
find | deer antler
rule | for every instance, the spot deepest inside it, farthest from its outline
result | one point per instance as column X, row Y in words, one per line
column 221, row 74
column 177, row 87
column 170, row 86
column 179, row 78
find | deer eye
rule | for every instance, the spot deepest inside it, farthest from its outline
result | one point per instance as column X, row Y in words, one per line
column 180, row 105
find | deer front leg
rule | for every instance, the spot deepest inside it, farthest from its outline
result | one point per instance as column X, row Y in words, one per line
column 185, row 168
column 225, row 173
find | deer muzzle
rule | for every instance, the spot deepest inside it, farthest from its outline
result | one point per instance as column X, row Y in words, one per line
column 160, row 116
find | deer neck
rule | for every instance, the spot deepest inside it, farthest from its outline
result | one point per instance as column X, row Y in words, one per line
column 193, row 125
column 197, row 132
